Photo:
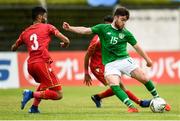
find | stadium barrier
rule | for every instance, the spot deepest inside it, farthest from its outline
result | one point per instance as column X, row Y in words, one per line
column 68, row 67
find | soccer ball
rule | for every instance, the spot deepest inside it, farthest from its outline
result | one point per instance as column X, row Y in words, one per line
column 157, row 105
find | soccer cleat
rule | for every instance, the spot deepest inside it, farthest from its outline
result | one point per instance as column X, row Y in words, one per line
column 132, row 110
column 145, row 103
column 96, row 100
column 167, row 107
column 34, row 109
column 27, row 95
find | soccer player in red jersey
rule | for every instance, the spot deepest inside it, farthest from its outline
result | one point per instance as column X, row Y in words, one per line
column 37, row 38
column 97, row 68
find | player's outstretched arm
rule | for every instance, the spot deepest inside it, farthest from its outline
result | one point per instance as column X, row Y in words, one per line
column 65, row 41
column 143, row 54
column 78, row 30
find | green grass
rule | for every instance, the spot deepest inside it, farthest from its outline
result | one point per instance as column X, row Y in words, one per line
column 77, row 105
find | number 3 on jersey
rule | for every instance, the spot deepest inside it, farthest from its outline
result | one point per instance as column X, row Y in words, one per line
column 35, row 45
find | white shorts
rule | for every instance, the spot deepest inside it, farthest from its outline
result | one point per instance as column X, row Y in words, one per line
column 119, row 67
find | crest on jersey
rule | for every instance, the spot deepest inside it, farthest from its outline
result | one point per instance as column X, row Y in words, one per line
column 121, row 36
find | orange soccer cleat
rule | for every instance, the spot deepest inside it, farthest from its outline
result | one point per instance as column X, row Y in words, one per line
column 167, row 107
column 132, row 110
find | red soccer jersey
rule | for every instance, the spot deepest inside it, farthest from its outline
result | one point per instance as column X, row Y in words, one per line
column 94, row 50
column 37, row 38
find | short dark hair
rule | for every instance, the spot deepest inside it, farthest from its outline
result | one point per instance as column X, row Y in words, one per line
column 108, row 18
column 37, row 11
column 122, row 11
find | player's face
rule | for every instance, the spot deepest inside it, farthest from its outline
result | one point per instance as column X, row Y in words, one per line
column 44, row 18
column 120, row 21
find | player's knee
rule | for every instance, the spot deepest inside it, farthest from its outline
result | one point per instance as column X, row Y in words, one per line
column 144, row 79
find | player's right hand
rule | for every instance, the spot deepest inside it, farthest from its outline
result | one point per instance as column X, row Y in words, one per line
column 87, row 80
column 64, row 45
column 66, row 26
column 149, row 63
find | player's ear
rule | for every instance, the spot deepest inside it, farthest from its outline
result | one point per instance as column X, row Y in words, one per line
column 39, row 17
column 115, row 17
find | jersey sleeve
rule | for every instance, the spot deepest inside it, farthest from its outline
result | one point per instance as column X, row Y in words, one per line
column 97, row 28
column 52, row 29
column 131, row 39
column 92, row 45
column 19, row 41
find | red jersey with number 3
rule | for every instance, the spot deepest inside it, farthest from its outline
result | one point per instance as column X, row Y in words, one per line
column 37, row 38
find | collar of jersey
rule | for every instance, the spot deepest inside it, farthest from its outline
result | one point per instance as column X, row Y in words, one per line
column 115, row 27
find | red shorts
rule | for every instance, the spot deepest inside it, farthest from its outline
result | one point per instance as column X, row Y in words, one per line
column 43, row 74
column 98, row 72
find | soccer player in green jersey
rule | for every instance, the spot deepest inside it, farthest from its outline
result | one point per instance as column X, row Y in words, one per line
column 114, row 38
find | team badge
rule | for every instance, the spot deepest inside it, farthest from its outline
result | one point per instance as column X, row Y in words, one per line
column 121, row 36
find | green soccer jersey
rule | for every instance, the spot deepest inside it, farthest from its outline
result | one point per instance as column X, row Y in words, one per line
column 113, row 42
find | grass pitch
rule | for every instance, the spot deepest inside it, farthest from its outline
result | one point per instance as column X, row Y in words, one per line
column 77, row 105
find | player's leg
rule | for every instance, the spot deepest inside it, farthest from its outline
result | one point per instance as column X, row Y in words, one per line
column 51, row 93
column 28, row 94
column 35, row 105
column 107, row 93
column 50, row 87
column 130, row 68
column 133, row 97
column 112, row 75
column 114, row 84
column 101, row 95
column 139, row 75
column 130, row 94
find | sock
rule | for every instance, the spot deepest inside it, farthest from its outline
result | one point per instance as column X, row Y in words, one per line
column 36, row 102
column 47, row 94
column 106, row 93
column 34, row 107
column 133, row 97
column 121, row 95
column 151, row 88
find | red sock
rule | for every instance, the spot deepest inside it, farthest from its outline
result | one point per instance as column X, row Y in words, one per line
column 106, row 93
column 132, row 97
column 47, row 94
column 36, row 101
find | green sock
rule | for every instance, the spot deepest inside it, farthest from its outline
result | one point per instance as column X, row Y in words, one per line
column 121, row 95
column 151, row 88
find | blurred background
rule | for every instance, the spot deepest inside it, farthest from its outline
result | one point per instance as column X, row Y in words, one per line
column 154, row 23
column 151, row 20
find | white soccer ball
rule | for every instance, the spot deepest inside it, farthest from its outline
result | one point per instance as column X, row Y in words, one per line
column 157, row 105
